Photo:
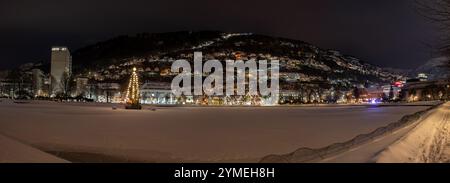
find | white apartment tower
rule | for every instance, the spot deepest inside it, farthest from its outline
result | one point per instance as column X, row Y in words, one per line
column 61, row 63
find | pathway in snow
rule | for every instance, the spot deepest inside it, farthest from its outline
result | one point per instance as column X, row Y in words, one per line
column 429, row 142
column 426, row 132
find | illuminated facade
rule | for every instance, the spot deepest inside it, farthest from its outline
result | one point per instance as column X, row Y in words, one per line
column 81, row 86
column 157, row 93
column 61, row 63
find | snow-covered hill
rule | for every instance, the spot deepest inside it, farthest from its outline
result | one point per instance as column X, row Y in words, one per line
column 153, row 53
column 434, row 68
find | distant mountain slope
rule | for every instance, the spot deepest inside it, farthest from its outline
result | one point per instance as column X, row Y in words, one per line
column 434, row 68
column 298, row 59
column 140, row 45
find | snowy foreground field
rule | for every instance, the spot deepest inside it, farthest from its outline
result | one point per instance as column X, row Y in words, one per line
column 56, row 132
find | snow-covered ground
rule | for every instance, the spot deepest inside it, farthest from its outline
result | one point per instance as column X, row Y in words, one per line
column 186, row 134
column 16, row 152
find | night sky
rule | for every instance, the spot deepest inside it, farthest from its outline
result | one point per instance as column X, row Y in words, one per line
column 382, row 32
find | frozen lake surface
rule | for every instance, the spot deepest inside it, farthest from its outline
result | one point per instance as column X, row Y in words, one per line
column 187, row 134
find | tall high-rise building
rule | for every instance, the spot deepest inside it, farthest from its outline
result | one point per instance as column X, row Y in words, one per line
column 61, row 67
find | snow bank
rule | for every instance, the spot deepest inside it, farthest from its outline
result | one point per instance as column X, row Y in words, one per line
column 425, row 143
column 314, row 155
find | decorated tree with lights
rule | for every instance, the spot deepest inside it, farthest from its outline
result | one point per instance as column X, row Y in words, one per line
column 132, row 95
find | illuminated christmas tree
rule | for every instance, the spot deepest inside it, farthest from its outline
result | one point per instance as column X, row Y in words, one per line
column 132, row 96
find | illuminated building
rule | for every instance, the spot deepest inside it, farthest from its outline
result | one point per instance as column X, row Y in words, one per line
column 422, row 77
column 61, row 63
column 157, row 93
column 426, row 90
column 81, row 86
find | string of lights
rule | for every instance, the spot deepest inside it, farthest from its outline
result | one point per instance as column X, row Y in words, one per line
column 132, row 95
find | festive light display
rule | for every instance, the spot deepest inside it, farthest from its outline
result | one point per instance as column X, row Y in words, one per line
column 132, row 95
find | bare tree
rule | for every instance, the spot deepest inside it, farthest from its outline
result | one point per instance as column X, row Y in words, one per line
column 15, row 78
column 438, row 12
column 66, row 84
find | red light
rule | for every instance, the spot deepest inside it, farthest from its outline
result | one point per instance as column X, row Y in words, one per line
column 398, row 84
